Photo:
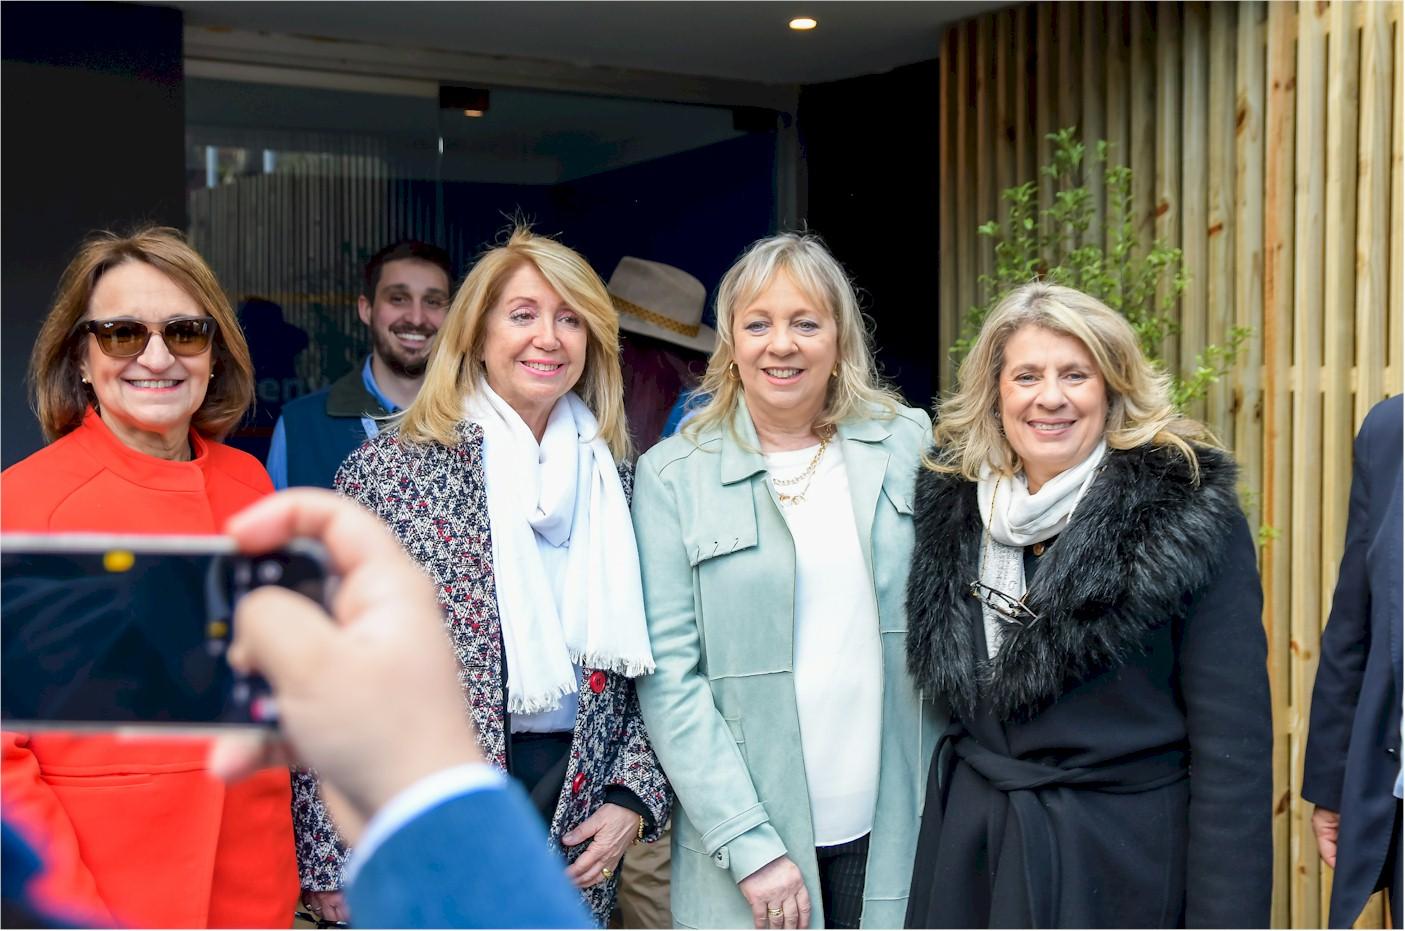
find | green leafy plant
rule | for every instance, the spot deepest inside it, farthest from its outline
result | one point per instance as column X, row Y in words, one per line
column 1059, row 244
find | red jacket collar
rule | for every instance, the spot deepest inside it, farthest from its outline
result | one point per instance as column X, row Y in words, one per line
column 138, row 467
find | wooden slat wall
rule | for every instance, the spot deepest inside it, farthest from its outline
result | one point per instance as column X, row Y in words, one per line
column 1266, row 139
column 267, row 235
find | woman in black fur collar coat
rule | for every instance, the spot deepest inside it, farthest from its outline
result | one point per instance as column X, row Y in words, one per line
column 1084, row 597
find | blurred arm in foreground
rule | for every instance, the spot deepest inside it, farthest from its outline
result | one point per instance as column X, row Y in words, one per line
column 414, row 794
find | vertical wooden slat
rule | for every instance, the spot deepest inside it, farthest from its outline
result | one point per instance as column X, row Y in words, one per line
column 1373, row 259
column 1069, row 19
column 1115, row 83
column 1070, row 25
column 983, row 164
column 1306, row 543
column 1344, row 275
column 1248, row 247
column 265, row 229
column 1026, row 148
column 307, row 277
column 1045, row 101
column 297, row 195
column 966, row 244
column 1142, row 120
column 284, row 267
column 966, row 241
column 1004, row 91
column 1194, row 188
column 1339, row 287
column 1279, row 213
column 1168, row 148
column 948, row 316
column 1220, row 232
column 1091, row 125
column 243, row 257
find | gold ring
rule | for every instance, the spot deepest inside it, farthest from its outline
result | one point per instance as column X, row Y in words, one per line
column 607, row 872
column 775, row 912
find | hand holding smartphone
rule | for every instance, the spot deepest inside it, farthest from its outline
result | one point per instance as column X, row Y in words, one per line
column 101, row 632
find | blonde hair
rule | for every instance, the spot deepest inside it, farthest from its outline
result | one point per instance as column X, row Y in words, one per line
column 58, row 394
column 968, row 430
column 454, row 371
column 856, row 392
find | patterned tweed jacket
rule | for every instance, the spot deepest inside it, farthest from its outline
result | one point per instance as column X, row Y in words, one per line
column 434, row 498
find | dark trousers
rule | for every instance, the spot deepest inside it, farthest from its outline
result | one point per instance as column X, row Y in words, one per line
column 538, row 762
column 842, row 870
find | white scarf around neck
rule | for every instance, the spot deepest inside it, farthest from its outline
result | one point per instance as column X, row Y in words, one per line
column 567, row 490
column 1015, row 518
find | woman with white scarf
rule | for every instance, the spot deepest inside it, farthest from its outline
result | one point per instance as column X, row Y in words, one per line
column 506, row 480
column 1084, row 597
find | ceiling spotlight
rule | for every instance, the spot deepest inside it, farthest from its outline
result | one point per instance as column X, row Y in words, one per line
column 802, row 23
column 473, row 113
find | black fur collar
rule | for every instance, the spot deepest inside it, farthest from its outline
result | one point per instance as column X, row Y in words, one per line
column 1144, row 538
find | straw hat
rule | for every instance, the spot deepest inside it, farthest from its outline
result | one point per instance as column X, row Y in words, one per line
column 658, row 300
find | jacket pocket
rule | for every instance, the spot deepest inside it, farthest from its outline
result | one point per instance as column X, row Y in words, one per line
column 745, row 605
column 735, row 726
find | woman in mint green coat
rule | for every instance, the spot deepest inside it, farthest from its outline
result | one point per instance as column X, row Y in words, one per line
column 774, row 538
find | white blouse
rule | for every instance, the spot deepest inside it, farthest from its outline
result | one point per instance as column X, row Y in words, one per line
column 837, row 654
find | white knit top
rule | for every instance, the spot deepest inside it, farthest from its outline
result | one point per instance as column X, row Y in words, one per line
column 837, row 654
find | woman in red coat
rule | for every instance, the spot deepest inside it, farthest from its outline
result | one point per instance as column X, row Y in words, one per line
column 138, row 371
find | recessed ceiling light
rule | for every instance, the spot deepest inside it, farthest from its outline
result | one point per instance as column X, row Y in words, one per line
column 802, row 23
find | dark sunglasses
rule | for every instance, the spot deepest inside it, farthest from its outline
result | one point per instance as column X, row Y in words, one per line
column 124, row 338
column 1010, row 610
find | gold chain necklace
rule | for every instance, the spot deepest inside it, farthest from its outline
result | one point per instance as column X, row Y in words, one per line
column 807, row 476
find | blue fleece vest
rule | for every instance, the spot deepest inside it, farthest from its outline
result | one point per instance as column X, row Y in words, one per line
column 324, row 427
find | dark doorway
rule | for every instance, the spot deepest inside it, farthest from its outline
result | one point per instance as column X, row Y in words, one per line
column 870, row 147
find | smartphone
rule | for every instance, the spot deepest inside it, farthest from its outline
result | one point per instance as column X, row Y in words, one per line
column 103, row 633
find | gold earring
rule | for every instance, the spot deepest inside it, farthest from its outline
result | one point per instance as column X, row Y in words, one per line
column 835, row 373
column 733, row 372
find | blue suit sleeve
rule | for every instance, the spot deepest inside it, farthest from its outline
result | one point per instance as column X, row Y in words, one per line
column 277, row 463
column 1341, row 662
column 478, row 860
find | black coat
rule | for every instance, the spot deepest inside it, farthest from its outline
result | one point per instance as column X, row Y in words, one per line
column 1353, row 742
column 1111, row 766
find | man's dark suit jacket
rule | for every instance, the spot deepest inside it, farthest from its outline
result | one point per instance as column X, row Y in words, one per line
column 473, row 861
column 1353, row 745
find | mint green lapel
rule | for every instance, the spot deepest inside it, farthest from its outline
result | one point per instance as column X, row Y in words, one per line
column 741, row 450
column 866, row 463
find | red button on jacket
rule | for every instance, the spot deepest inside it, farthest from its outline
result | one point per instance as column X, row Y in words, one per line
column 577, row 782
column 597, row 681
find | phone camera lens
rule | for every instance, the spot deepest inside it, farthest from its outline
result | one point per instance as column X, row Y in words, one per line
column 269, row 572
